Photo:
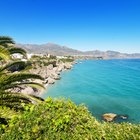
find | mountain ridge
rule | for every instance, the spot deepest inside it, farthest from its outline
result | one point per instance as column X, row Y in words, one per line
column 55, row 49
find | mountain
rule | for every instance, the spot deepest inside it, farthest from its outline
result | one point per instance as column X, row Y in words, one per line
column 58, row 50
column 50, row 48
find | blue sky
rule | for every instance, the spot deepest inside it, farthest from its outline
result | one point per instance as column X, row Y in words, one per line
column 79, row 24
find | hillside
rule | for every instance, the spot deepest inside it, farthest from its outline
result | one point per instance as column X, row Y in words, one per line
column 58, row 50
column 50, row 48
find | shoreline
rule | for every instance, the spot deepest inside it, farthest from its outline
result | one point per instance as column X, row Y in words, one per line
column 53, row 73
column 72, row 90
column 50, row 73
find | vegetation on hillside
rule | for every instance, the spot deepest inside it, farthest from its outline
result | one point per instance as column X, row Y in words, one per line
column 63, row 120
column 44, row 60
column 66, row 60
column 40, row 61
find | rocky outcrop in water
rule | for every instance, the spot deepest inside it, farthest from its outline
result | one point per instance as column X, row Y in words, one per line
column 110, row 117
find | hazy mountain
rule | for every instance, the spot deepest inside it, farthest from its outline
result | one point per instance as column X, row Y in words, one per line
column 50, row 48
column 55, row 49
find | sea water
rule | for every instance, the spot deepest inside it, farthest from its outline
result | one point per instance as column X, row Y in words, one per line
column 104, row 86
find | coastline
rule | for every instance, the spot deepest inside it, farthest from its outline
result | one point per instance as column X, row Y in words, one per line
column 50, row 73
column 104, row 86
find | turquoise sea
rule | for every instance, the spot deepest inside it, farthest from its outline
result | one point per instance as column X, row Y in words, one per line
column 104, row 86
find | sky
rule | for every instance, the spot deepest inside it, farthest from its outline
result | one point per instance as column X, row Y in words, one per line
column 78, row 24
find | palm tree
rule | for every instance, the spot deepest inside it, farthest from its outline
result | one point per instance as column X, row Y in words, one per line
column 10, row 81
column 9, row 44
column 5, row 40
column 4, row 53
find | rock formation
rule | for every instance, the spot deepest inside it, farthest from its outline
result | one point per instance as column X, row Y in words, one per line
column 110, row 117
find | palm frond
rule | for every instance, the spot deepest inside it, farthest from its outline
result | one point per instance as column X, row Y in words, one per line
column 6, row 40
column 13, row 100
column 13, row 64
column 14, row 50
column 37, row 97
column 34, row 85
column 10, row 80
column 18, row 85
column 4, row 53
column 17, row 77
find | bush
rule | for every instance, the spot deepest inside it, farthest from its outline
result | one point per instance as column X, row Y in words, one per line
column 60, row 119
column 64, row 60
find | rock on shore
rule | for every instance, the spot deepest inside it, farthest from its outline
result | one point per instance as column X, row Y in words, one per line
column 50, row 73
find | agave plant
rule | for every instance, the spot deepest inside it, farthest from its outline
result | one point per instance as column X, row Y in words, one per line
column 11, row 80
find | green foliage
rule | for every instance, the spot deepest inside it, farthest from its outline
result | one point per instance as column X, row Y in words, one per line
column 6, row 40
column 40, row 61
column 52, row 57
column 35, row 57
column 14, row 50
column 4, row 53
column 43, row 57
column 14, row 66
column 5, row 115
column 63, row 120
column 66, row 60
column 9, row 81
column 8, row 44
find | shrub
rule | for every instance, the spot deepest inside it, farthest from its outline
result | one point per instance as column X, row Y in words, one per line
column 61, row 119
column 66, row 60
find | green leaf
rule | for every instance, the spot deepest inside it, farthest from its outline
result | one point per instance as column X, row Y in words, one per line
column 4, row 53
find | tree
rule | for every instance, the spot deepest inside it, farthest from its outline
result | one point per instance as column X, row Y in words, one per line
column 11, row 80
column 9, row 44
